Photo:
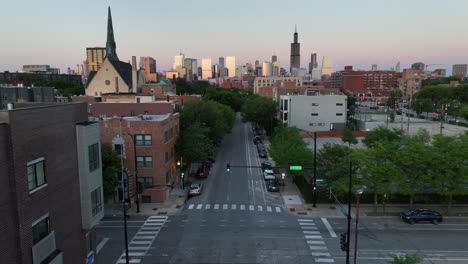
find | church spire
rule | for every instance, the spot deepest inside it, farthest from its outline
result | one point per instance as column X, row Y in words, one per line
column 295, row 28
column 110, row 44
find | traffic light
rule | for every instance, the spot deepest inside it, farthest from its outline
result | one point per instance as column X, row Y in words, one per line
column 182, row 174
column 343, row 243
column 228, row 167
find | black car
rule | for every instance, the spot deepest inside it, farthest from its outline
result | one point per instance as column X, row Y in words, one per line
column 262, row 154
column 421, row 215
column 266, row 166
column 272, row 185
column 257, row 140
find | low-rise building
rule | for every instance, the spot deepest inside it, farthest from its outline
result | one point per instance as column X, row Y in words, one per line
column 313, row 112
column 51, row 194
column 14, row 94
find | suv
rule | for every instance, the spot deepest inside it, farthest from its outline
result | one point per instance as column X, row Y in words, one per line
column 269, row 175
column 257, row 139
column 195, row 189
column 272, row 185
column 266, row 166
column 421, row 215
column 262, row 153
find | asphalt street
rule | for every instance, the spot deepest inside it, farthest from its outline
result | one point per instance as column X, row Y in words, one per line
column 236, row 220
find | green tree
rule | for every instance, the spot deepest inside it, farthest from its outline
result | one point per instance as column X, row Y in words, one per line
column 394, row 96
column 232, row 98
column 64, row 88
column 110, row 168
column 464, row 112
column 450, row 168
column 414, row 160
column 194, row 145
column 348, row 137
column 422, row 105
column 461, row 93
column 406, row 259
column 392, row 116
column 260, row 110
column 333, row 164
column 381, row 134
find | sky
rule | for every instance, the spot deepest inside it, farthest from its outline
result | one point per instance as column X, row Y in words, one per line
column 358, row 32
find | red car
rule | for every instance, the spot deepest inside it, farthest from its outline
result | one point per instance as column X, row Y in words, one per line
column 203, row 172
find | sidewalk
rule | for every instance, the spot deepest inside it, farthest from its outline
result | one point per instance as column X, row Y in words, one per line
column 173, row 205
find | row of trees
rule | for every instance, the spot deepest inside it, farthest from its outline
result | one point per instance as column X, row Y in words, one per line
column 395, row 163
column 64, row 88
column 261, row 111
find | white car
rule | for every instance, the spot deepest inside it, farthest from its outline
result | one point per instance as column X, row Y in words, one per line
column 268, row 175
column 195, row 189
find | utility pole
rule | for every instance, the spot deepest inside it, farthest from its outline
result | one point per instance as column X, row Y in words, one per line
column 315, row 170
column 349, row 213
column 407, row 127
column 125, row 230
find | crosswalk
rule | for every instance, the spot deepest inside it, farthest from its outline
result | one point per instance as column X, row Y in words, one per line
column 235, row 207
column 143, row 239
column 315, row 241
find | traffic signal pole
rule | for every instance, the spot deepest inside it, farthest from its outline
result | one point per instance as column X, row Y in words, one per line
column 349, row 213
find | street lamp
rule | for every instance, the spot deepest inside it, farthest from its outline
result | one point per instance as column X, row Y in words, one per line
column 125, row 230
column 137, row 201
column 358, row 194
column 182, row 174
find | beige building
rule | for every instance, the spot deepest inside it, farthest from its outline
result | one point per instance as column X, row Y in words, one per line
column 149, row 64
column 271, row 81
column 459, row 70
column 206, row 69
column 231, row 65
column 410, row 82
column 94, row 58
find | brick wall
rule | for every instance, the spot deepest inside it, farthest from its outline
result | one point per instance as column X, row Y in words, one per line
column 49, row 132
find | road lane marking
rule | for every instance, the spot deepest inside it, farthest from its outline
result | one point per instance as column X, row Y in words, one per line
column 141, row 242
column 101, row 244
column 208, row 206
column 199, row 206
column 233, row 207
column 313, row 237
column 225, row 206
column 216, row 207
column 269, row 208
column 318, row 248
column 309, row 227
column 242, row 207
column 311, row 232
column 251, row 207
column 260, row 208
column 329, row 228
column 306, row 224
column 278, row 210
column 305, row 220
column 315, row 242
column 321, row 254
column 253, row 191
column 191, row 206
column 325, row 260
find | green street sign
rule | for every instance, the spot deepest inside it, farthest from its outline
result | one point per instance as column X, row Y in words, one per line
column 319, row 180
column 295, row 168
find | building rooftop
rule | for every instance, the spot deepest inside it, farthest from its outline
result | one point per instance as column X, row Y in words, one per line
column 154, row 118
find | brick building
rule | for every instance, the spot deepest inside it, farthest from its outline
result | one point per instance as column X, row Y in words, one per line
column 51, row 184
column 156, row 136
column 369, row 82
column 131, row 109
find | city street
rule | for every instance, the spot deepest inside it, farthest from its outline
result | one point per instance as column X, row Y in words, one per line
column 236, row 220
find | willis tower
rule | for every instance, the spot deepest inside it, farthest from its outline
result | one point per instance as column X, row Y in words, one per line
column 295, row 53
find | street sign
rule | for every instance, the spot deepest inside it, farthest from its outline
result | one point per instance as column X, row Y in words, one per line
column 319, row 180
column 283, row 175
column 295, row 168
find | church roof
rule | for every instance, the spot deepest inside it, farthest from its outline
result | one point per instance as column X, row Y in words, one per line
column 90, row 77
column 124, row 69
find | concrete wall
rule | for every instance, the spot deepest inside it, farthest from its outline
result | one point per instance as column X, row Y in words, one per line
column 98, row 84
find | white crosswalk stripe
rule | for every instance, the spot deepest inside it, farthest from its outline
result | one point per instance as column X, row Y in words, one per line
column 320, row 254
column 315, row 241
column 191, row 206
column 324, row 260
column 269, row 208
column 207, row 206
column 225, row 206
column 242, row 207
column 313, row 237
column 216, row 207
column 260, row 208
column 199, row 206
column 309, row 227
column 318, row 248
column 278, row 210
column 305, row 220
column 233, row 207
column 306, row 224
column 251, row 207
column 311, row 232
column 143, row 239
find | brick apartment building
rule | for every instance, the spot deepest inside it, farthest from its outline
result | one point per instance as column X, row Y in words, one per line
column 156, row 136
column 51, row 184
column 368, row 82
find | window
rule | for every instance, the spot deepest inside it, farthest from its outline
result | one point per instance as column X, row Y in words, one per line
column 166, row 136
column 339, row 114
column 145, row 161
column 118, row 148
column 93, row 153
column 285, row 105
column 143, row 140
column 40, row 229
column 172, row 132
column 96, row 203
column 146, row 181
column 314, row 114
column 339, row 104
column 36, row 173
column 167, row 156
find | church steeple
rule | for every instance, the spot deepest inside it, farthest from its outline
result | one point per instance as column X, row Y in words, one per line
column 110, row 43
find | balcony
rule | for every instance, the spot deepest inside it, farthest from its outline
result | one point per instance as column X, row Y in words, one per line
column 45, row 251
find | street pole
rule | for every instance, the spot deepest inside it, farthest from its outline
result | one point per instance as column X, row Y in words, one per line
column 181, row 168
column 356, row 231
column 349, row 213
column 125, row 231
column 315, row 171
column 136, row 174
column 407, row 127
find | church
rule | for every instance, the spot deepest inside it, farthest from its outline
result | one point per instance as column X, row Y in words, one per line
column 114, row 76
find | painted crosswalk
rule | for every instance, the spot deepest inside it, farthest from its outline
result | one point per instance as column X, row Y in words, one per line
column 240, row 207
column 143, row 239
column 315, row 241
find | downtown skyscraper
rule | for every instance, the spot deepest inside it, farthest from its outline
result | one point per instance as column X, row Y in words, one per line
column 295, row 52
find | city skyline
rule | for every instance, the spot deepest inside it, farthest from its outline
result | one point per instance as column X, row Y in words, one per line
column 406, row 35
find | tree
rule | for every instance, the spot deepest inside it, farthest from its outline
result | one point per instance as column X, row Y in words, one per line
column 64, row 88
column 464, row 112
column 260, row 110
column 450, row 167
column 406, row 259
column 422, row 105
column 392, row 117
column 382, row 134
column 333, row 164
column 225, row 96
column 194, row 145
column 110, row 168
column 348, row 137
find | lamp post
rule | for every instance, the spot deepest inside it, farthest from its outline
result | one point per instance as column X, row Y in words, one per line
column 180, row 164
column 348, row 236
column 137, row 201
column 358, row 194
column 315, row 170
column 125, row 230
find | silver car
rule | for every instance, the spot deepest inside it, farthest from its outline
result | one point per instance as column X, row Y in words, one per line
column 195, row 189
column 268, row 175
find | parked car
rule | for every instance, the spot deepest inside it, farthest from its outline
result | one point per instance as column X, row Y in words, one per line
column 261, row 148
column 262, row 154
column 421, row 215
column 195, row 189
column 266, row 166
column 203, row 171
column 257, row 139
column 272, row 185
column 269, row 175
